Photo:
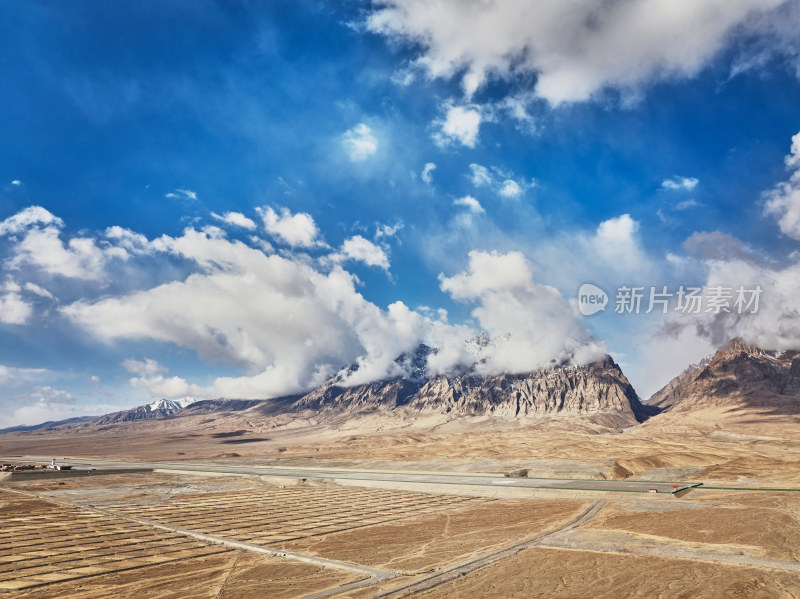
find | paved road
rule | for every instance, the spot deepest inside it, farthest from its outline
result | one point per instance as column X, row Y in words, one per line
column 416, row 478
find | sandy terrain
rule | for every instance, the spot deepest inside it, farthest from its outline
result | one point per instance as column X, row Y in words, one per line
column 196, row 536
column 138, row 535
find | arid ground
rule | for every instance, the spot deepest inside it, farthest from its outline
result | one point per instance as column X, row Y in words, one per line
column 162, row 534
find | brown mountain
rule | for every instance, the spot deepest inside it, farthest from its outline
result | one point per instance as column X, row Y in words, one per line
column 738, row 374
column 669, row 393
column 599, row 389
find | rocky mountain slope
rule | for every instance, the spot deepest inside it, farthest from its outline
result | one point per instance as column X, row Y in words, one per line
column 669, row 393
column 595, row 389
column 738, row 374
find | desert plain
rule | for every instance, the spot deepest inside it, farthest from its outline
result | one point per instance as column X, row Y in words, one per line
column 222, row 507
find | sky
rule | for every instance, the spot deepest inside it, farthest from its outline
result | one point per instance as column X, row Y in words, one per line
column 239, row 199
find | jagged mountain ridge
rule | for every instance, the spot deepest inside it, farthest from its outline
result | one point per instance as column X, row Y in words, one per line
column 596, row 388
column 740, row 373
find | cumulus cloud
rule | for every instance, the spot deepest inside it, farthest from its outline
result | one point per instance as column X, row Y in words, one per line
column 295, row 230
column 152, row 376
column 575, row 49
column 774, row 325
column 283, row 322
column 510, row 189
column 461, row 124
column 680, row 183
column 363, row 250
column 359, row 142
column 24, row 219
column 783, row 202
column 470, row 203
column 182, row 194
column 237, row 219
column 78, row 258
column 288, row 323
column 427, row 172
column 16, row 182
column 531, row 324
column 617, row 243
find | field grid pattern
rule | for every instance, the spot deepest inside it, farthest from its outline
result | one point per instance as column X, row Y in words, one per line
column 266, row 517
column 44, row 543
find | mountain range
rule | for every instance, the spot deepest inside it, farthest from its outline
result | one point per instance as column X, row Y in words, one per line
column 598, row 392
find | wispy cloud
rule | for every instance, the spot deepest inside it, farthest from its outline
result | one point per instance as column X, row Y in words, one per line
column 680, row 183
column 182, row 194
column 359, row 142
column 427, row 172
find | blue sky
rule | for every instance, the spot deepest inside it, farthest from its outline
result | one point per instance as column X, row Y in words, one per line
column 238, row 199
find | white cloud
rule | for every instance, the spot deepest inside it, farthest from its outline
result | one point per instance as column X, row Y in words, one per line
column 783, row 202
column 146, row 367
column 38, row 290
column 284, row 323
column 182, row 194
column 616, row 242
column 388, row 230
column 151, row 376
column 23, row 220
column 510, row 189
column 79, row 258
column 296, row 230
column 680, row 183
column 531, row 324
column 362, row 250
column 427, row 172
column 236, row 219
column 14, row 310
column 576, row 49
column 499, row 180
column 480, row 175
column 360, row 142
column 471, row 203
column 288, row 324
column 461, row 124
column 16, row 182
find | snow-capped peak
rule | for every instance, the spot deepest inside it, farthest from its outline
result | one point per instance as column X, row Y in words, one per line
column 171, row 405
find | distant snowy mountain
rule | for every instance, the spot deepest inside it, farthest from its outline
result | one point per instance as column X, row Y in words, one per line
column 171, row 405
column 161, row 408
